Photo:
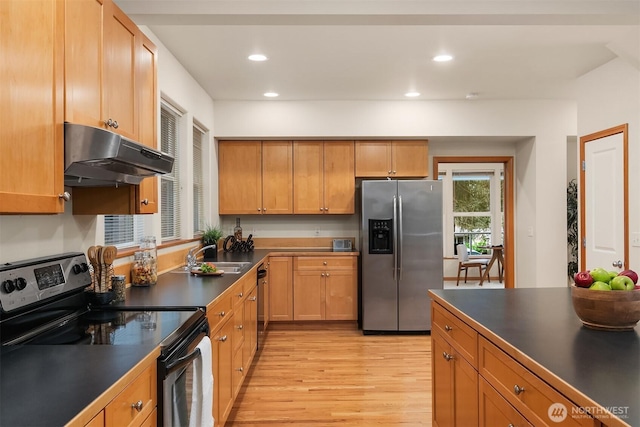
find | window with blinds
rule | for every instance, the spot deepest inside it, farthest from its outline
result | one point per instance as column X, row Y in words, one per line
column 169, row 183
column 198, row 180
column 123, row 231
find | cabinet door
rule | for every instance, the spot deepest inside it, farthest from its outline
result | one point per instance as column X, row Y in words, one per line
column 280, row 289
column 308, row 177
column 373, row 159
column 308, row 295
column 147, row 192
column 250, row 329
column 465, row 385
column 409, row 159
column 340, row 295
column 32, row 111
column 339, row 177
column 84, row 62
column 277, row 177
column 240, row 177
column 120, row 46
column 443, row 391
column 223, row 382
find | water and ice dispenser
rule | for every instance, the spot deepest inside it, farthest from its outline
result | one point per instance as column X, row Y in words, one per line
column 380, row 236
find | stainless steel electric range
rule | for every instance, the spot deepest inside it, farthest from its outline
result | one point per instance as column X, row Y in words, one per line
column 43, row 302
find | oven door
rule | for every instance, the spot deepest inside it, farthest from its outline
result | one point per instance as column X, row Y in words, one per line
column 176, row 379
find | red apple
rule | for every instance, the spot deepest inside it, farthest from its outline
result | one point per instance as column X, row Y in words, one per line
column 583, row 279
column 631, row 274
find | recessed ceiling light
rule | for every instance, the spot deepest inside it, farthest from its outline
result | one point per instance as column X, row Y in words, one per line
column 412, row 94
column 257, row 57
column 271, row 94
column 472, row 95
column 442, row 58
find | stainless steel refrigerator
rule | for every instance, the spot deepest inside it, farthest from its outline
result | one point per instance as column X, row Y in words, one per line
column 401, row 247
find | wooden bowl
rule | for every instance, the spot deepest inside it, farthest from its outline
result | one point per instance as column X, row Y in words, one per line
column 608, row 310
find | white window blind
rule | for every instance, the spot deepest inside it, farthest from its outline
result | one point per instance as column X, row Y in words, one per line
column 170, row 201
column 198, row 180
column 123, row 230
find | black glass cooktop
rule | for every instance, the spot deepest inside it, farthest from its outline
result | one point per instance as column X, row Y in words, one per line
column 115, row 328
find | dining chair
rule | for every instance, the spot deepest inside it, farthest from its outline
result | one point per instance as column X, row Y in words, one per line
column 464, row 263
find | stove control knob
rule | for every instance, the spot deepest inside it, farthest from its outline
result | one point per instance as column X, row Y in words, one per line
column 8, row 286
column 77, row 268
column 84, row 267
column 20, row 283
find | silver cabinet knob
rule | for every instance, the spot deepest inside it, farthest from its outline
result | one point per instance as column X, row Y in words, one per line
column 322, row 274
column 222, row 314
column 389, row 172
column 145, row 202
column 617, row 264
column 447, row 356
column 252, row 298
column 222, row 338
column 109, row 122
column 264, row 209
column 324, row 262
column 240, row 369
column 240, row 327
column 240, row 294
column 321, row 209
column 393, row 172
column 517, row 389
column 326, row 209
column 65, row 196
column 115, row 124
column 448, row 328
column 327, row 274
column 137, row 406
column 259, row 209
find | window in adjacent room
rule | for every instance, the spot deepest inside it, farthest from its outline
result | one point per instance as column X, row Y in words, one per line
column 170, row 183
column 199, row 138
column 473, row 206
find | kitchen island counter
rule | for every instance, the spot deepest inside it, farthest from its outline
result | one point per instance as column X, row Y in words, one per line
column 597, row 370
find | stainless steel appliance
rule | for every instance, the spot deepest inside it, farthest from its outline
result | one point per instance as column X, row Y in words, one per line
column 401, row 245
column 263, row 304
column 42, row 302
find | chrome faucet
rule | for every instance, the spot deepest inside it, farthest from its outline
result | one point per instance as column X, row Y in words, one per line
column 192, row 257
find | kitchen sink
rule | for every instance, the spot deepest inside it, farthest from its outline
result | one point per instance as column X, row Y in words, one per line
column 227, row 267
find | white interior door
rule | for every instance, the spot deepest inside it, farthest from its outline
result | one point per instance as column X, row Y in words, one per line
column 604, row 200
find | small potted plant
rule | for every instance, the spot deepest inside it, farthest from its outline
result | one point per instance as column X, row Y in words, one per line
column 210, row 237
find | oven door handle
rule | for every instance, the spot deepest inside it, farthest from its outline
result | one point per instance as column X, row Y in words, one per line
column 181, row 361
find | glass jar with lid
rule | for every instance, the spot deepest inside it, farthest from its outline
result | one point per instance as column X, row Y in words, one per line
column 145, row 263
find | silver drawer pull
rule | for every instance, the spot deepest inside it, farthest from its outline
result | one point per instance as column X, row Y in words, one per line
column 517, row 389
column 448, row 328
column 252, row 298
column 137, row 406
column 222, row 338
column 222, row 314
column 447, row 356
column 240, row 295
column 240, row 369
column 240, row 327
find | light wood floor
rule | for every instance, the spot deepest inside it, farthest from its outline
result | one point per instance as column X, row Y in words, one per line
column 336, row 376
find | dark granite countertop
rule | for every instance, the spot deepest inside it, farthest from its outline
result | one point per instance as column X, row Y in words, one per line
column 540, row 323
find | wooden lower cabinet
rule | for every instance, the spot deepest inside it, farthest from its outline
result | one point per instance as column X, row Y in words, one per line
column 308, row 295
column 140, row 393
column 280, row 288
column 455, row 386
column 477, row 383
column 222, row 371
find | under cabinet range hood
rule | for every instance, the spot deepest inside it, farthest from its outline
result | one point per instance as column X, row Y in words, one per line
column 96, row 157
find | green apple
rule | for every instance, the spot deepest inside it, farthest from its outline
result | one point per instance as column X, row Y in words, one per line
column 600, row 286
column 621, row 283
column 612, row 274
column 600, row 275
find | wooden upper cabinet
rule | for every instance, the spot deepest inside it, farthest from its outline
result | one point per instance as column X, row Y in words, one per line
column 323, row 177
column 240, row 177
column 111, row 74
column 119, row 78
column 396, row 159
column 32, row 110
column 255, row 177
column 277, row 177
column 147, row 192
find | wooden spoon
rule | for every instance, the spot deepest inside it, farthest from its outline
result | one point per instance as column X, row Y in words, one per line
column 109, row 254
column 92, row 254
column 100, row 258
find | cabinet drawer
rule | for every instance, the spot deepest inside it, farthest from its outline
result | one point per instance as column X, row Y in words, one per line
column 249, row 282
column 135, row 403
column 531, row 396
column 460, row 335
column 495, row 410
column 219, row 310
column 320, row 263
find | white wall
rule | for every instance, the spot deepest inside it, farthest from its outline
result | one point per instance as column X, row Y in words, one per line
column 542, row 127
column 610, row 96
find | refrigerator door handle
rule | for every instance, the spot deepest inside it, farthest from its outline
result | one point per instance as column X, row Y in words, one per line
column 395, row 239
column 399, row 239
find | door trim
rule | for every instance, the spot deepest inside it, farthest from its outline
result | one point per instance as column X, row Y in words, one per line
column 509, row 205
column 624, row 129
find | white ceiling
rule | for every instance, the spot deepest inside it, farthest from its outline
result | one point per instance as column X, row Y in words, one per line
column 380, row 49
